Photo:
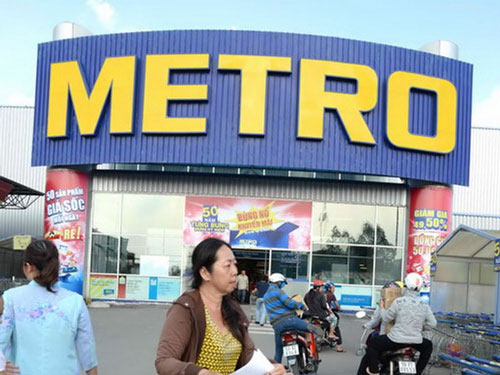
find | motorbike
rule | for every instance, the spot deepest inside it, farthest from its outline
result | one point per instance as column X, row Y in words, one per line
column 325, row 339
column 301, row 351
column 396, row 362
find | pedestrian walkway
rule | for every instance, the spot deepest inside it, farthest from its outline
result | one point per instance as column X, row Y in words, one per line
column 266, row 329
column 127, row 337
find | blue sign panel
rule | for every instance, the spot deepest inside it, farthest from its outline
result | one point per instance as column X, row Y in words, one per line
column 258, row 99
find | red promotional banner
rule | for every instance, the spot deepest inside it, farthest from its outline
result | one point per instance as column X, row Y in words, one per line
column 247, row 222
column 430, row 224
column 66, row 195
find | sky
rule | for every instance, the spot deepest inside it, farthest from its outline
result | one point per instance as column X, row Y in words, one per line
column 474, row 25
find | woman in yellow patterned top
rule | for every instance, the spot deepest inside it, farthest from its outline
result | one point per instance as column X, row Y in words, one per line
column 206, row 331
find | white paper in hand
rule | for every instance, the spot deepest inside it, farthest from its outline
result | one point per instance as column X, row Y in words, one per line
column 2, row 362
column 258, row 365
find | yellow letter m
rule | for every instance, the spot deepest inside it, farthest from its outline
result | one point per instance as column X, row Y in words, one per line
column 117, row 75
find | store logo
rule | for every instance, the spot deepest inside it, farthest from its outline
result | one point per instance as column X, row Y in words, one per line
column 117, row 80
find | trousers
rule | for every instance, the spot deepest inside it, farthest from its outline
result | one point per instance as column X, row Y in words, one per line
column 382, row 343
column 260, row 311
column 292, row 323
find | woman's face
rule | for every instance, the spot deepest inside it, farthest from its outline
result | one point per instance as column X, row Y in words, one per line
column 224, row 271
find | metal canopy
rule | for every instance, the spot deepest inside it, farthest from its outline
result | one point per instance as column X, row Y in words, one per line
column 469, row 243
column 19, row 196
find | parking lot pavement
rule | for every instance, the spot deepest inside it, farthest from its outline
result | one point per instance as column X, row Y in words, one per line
column 127, row 336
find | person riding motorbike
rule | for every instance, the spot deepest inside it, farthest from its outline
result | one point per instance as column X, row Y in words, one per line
column 334, row 305
column 411, row 314
column 377, row 325
column 281, row 309
column 316, row 302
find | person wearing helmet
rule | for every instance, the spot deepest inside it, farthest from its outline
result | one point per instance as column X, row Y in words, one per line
column 410, row 314
column 334, row 305
column 378, row 325
column 316, row 302
column 281, row 309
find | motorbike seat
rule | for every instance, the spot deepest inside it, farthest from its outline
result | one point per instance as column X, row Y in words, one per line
column 292, row 332
column 402, row 351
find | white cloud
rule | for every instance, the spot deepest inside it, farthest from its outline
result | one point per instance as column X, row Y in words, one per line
column 487, row 112
column 18, row 99
column 104, row 12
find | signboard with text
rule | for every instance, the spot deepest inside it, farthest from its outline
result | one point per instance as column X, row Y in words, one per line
column 496, row 264
column 145, row 288
column 248, row 222
column 66, row 196
column 430, row 223
column 253, row 99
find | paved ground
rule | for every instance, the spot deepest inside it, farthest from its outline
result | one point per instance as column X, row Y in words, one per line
column 127, row 337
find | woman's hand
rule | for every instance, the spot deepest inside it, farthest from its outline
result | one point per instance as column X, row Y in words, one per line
column 208, row 372
column 278, row 369
column 10, row 369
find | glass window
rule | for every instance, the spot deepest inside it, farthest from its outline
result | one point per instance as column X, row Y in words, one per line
column 361, row 265
column 175, row 266
column 333, row 268
column 104, row 254
column 165, row 251
column 106, row 213
column 388, row 264
column 152, row 214
column 343, row 264
column 390, row 226
column 292, row 264
column 343, row 223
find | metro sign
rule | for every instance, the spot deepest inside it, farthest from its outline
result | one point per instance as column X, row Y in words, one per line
column 117, row 80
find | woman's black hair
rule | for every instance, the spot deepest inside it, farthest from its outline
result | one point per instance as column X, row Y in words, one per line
column 205, row 255
column 44, row 256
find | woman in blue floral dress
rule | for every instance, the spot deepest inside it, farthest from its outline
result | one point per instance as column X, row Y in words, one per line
column 46, row 329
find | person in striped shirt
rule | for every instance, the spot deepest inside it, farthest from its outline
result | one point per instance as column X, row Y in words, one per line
column 281, row 309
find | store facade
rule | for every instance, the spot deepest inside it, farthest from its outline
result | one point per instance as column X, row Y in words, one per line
column 298, row 150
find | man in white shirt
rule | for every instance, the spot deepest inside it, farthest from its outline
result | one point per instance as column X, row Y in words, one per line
column 242, row 286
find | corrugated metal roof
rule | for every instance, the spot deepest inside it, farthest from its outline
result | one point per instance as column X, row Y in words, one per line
column 279, row 148
column 325, row 191
column 482, row 196
column 482, row 222
column 16, row 137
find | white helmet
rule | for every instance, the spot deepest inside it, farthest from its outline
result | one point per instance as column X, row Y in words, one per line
column 276, row 278
column 413, row 281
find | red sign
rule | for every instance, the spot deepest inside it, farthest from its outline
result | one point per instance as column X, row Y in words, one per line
column 66, row 195
column 249, row 222
column 430, row 224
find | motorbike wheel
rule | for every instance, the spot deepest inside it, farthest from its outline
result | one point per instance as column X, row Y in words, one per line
column 319, row 346
column 295, row 368
column 386, row 370
column 315, row 365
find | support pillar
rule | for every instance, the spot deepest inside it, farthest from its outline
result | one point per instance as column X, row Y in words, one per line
column 429, row 225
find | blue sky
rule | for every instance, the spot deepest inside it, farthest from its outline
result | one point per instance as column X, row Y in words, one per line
column 473, row 25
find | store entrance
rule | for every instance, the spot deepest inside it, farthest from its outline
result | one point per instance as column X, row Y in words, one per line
column 255, row 263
